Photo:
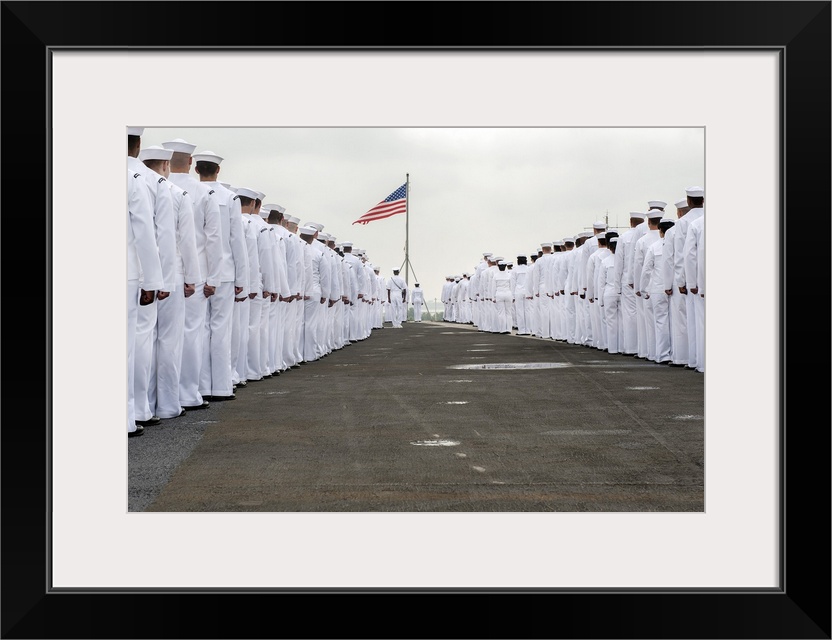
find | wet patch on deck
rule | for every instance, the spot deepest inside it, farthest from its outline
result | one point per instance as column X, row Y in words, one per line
column 513, row 366
column 436, row 443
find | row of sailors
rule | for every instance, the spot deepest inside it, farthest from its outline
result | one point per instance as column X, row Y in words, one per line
column 223, row 290
column 639, row 293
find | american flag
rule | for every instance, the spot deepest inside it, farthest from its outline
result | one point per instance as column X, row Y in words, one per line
column 395, row 203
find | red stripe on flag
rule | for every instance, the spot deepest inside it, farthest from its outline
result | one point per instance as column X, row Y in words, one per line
column 383, row 210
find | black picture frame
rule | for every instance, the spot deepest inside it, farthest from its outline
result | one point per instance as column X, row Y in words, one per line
column 800, row 608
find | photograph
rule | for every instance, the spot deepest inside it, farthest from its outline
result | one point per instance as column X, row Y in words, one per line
column 572, row 412
column 445, row 440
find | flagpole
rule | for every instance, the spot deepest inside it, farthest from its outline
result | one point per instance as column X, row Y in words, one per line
column 407, row 230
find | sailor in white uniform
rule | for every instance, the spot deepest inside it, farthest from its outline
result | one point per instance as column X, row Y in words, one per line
column 609, row 287
column 215, row 379
column 696, row 200
column 395, row 288
column 624, row 265
column 695, row 281
column 646, row 335
column 678, row 310
column 163, row 386
column 208, row 239
column 417, row 298
column 144, row 276
column 146, row 329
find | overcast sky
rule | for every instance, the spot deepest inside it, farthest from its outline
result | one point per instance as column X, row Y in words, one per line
column 503, row 190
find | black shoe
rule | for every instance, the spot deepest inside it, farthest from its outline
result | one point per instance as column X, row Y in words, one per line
column 152, row 422
column 275, row 373
column 675, row 364
column 196, row 407
column 222, row 398
column 138, row 432
column 242, row 384
column 295, row 366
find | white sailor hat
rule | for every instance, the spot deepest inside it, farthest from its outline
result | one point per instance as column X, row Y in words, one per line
column 415, row 284
column 656, row 204
column 260, row 196
column 179, row 146
column 613, row 239
column 497, row 258
column 346, row 245
column 155, row 153
column 569, row 239
column 637, row 214
column 655, row 213
column 682, row 204
column 695, row 192
column 247, row 193
column 585, row 234
column 376, row 268
column 599, row 224
column 546, row 244
column 667, row 220
column 274, row 207
column 264, row 213
column 323, row 236
column 135, row 131
column 317, row 225
column 502, row 262
column 557, row 243
column 208, row 156
column 331, row 238
column 293, row 219
column 487, row 255
column 395, row 270
column 307, row 230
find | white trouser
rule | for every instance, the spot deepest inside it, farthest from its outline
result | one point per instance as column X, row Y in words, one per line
column 144, row 361
column 583, row 320
column 660, row 302
column 641, row 328
column 288, row 327
column 239, row 369
column 395, row 309
column 298, row 310
column 170, row 333
column 502, row 309
column 557, row 328
column 649, row 327
column 279, row 334
column 133, row 293
column 311, row 321
column 192, row 339
column 599, row 329
column 215, row 379
column 612, row 320
column 690, row 307
column 417, row 311
column 629, row 323
column 699, row 307
column 322, row 327
column 543, row 316
column 268, row 335
column 520, row 305
column 355, row 319
column 598, row 336
column 254, row 358
column 570, row 318
column 678, row 327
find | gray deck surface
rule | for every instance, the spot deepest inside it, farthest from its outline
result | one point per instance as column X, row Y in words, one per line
column 389, row 424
